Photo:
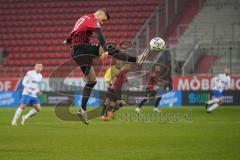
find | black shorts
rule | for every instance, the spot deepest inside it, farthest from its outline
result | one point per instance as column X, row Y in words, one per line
column 114, row 95
column 150, row 93
column 83, row 55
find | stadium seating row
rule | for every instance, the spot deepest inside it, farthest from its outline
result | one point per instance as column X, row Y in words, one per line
column 14, row 45
column 65, row 22
column 54, row 4
column 20, row 36
column 66, row 29
column 38, row 49
column 37, row 56
column 30, row 42
column 74, row 10
column 33, row 30
column 68, row 16
column 12, row 71
column 58, row 59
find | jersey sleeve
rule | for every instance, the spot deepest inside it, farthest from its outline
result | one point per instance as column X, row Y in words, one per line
column 215, row 80
column 26, row 79
column 101, row 39
column 126, row 79
column 94, row 24
column 41, row 78
column 229, row 86
column 107, row 75
column 153, row 77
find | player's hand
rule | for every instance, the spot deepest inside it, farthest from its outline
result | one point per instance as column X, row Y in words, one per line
column 67, row 42
column 104, row 55
column 39, row 93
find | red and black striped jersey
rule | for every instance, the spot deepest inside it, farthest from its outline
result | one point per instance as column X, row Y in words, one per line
column 83, row 29
column 153, row 79
column 121, row 78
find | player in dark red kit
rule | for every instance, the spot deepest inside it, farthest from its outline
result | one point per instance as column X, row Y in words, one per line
column 114, row 95
column 154, row 79
column 83, row 51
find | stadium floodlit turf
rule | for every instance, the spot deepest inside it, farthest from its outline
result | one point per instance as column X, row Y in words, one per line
column 197, row 136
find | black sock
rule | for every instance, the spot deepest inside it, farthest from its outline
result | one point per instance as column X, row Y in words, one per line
column 157, row 101
column 109, row 108
column 142, row 103
column 104, row 111
column 122, row 55
column 86, row 93
column 117, row 107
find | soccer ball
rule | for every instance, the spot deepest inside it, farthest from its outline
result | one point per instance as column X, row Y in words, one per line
column 157, row 44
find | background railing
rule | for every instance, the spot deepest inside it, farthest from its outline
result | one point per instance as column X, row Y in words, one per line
column 158, row 23
column 219, row 40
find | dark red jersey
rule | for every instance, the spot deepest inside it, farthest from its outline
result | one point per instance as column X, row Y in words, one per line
column 121, row 78
column 83, row 29
column 153, row 79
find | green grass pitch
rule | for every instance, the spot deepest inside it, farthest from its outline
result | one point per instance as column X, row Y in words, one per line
column 214, row 136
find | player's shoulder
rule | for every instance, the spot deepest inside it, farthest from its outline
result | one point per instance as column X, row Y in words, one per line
column 40, row 75
column 221, row 76
column 114, row 68
column 89, row 17
column 228, row 77
column 30, row 72
column 224, row 75
column 153, row 74
column 92, row 21
column 33, row 72
column 121, row 72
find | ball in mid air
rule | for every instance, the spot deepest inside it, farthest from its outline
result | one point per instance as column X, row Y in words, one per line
column 157, row 44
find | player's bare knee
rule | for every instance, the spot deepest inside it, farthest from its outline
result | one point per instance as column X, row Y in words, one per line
column 91, row 77
column 38, row 108
column 220, row 101
column 118, row 101
column 158, row 96
column 107, row 102
column 123, row 102
column 112, row 104
column 22, row 106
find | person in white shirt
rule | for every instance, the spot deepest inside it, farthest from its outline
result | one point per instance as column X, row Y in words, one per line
column 31, row 83
column 220, row 82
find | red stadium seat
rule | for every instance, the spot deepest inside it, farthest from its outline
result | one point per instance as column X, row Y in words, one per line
column 35, row 31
